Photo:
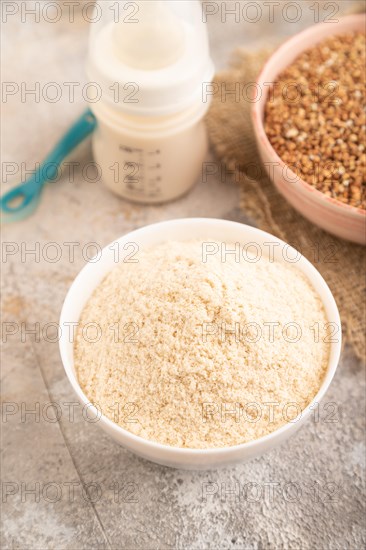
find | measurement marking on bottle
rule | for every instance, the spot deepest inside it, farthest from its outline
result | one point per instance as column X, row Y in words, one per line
column 130, row 149
column 142, row 175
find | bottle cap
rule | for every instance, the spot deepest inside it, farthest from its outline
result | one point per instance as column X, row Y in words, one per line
column 150, row 58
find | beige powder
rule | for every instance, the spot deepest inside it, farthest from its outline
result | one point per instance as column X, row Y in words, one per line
column 200, row 354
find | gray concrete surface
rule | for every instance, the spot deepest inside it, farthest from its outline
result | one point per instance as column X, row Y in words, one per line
column 66, row 485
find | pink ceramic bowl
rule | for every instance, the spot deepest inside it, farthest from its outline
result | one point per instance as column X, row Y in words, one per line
column 338, row 218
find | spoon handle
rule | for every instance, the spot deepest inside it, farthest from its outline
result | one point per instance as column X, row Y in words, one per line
column 17, row 203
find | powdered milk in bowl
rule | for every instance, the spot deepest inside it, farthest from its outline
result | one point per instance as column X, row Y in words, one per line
column 200, row 343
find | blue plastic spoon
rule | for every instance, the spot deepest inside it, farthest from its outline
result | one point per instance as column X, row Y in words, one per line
column 21, row 201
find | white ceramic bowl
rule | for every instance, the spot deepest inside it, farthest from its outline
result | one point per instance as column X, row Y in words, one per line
column 181, row 230
column 340, row 219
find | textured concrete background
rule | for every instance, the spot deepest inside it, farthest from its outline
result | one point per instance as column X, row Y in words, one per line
column 87, row 491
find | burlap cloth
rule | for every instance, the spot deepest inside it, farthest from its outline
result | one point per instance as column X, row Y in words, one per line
column 341, row 263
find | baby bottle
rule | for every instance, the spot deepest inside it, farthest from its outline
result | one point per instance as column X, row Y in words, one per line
column 151, row 62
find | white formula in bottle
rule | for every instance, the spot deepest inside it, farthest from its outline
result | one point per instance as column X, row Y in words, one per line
column 151, row 60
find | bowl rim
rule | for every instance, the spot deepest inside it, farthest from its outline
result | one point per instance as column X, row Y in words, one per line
column 258, row 119
column 187, row 452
